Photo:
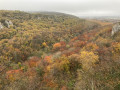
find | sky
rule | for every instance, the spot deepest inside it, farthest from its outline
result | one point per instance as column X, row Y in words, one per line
column 75, row 7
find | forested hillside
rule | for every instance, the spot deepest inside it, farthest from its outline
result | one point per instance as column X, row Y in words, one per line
column 56, row 51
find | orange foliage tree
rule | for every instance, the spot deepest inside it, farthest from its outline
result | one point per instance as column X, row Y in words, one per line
column 56, row 46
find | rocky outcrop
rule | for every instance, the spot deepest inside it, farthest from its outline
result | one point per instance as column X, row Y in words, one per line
column 115, row 29
column 1, row 26
column 5, row 23
column 8, row 23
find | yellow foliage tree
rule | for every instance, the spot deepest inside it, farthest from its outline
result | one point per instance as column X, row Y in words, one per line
column 91, row 47
column 44, row 44
column 88, row 59
column 116, row 51
column 61, row 65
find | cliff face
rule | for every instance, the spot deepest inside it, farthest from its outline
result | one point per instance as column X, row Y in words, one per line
column 115, row 29
column 1, row 26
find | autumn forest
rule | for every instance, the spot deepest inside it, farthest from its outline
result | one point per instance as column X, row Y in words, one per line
column 57, row 51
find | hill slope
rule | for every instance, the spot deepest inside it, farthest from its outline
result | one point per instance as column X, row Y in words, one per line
column 32, row 30
column 58, row 51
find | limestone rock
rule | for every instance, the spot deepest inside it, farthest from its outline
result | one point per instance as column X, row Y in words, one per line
column 115, row 29
column 1, row 26
column 8, row 23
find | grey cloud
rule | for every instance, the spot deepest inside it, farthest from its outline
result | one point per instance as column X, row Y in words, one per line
column 76, row 7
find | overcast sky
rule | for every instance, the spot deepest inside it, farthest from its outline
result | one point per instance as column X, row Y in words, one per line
column 75, row 7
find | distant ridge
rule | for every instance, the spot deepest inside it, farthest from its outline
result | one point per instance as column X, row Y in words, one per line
column 52, row 13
